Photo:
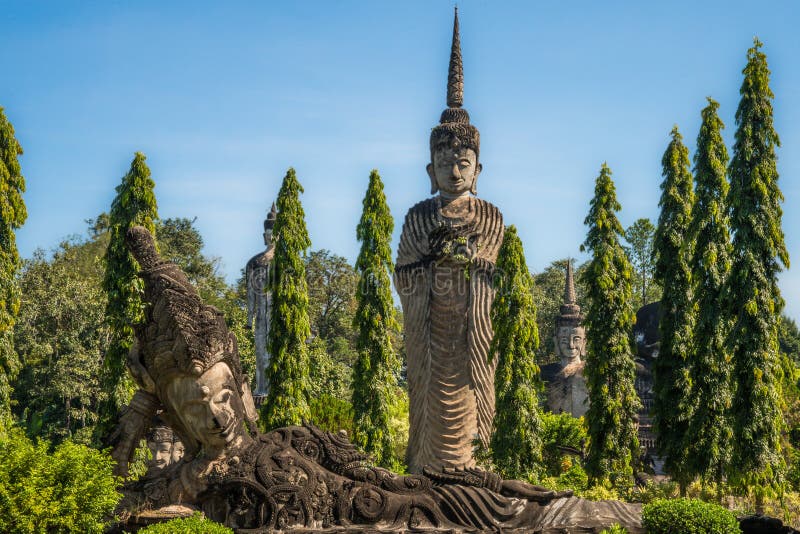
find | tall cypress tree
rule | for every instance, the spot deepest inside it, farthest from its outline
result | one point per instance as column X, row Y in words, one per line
column 289, row 327
column 610, row 369
column 672, row 250
column 708, row 450
column 758, row 252
column 376, row 368
column 516, row 443
column 135, row 204
column 12, row 209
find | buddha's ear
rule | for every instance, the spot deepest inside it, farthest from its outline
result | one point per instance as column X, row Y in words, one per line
column 432, row 175
column 250, row 412
column 474, row 188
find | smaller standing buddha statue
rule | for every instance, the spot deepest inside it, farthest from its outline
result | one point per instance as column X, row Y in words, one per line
column 258, row 301
column 566, row 385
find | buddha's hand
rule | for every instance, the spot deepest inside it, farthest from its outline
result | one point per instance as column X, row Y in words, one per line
column 530, row 492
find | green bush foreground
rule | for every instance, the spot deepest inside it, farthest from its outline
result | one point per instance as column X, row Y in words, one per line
column 688, row 516
column 196, row 524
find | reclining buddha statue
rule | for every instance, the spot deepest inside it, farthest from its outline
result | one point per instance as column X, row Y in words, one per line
column 187, row 367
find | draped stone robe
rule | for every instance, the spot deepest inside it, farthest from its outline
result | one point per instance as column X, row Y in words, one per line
column 443, row 276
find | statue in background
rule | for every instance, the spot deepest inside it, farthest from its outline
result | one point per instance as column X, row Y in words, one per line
column 294, row 479
column 566, row 384
column 448, row 248
column 258, row 301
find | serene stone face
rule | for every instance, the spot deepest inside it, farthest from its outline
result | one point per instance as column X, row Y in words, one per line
column 161, row 452
column 571, row 343
column 209, row 406
column 454, row 170
column 177, row 451
column 268, row 237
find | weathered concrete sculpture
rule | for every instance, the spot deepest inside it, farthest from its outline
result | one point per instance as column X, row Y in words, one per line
column 165, row 447
column 566, row 384
column 445, row 261
column 297, row 479
column 258, row 301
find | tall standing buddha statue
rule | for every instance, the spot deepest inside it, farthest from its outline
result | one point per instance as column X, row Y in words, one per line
column 258, row 301
column 447, row 252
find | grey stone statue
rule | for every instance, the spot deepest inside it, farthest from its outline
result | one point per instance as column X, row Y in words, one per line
column 566, row 384
column 293, row 479
column 448, row 248
column 258, row 301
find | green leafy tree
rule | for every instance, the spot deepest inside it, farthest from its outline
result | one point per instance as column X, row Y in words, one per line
column 516, row 442
column 376, row 369
column 135, row 204
column 289, row 330
column 672, row 251
column 61, row 335
column 755, row 300
column 610, row 368
column 639, row 236
column 332, row 284
column 12, row 209
column 708, row 449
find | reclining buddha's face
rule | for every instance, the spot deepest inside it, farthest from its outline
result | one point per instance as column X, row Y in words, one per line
column 210, row 407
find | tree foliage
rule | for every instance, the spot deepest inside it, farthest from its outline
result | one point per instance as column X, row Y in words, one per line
column 640, row 236
column 287, row 372
column 672, row 251
column 376, row 367
column 610, row 369
column 708, row 450
column 332, row 284
column 755, row 300
column 135, row 204
column 12, row 217
column 516, row 443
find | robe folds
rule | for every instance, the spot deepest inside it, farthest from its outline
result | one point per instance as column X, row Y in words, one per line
column 443, row 275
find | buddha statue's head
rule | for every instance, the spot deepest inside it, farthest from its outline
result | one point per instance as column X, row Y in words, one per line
column 186, row 357
column 570, row 337
column 269, row 223
column 455, row 143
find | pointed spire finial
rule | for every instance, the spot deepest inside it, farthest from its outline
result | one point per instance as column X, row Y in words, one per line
column 569, row 286
column 455, row 76
column 269, row 222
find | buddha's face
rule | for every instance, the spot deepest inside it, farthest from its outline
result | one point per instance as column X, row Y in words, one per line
column 268, row 237
column 571, row 343
column 209, row 406
column 454, row 170
column 161, row 451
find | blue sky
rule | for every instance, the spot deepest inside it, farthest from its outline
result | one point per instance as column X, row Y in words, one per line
column 224, row 97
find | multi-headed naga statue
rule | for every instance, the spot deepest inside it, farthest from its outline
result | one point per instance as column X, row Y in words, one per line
column 299, row 479
column 445, row 262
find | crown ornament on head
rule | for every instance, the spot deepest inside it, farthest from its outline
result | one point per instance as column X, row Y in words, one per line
column 454, row 122
column 269, row 222
column 570, row 313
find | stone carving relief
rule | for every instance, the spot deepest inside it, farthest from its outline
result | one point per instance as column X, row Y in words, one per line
column 296, row 478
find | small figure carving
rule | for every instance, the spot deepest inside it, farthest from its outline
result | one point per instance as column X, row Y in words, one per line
column 566, row 384
column 165, row 447
column 258, row 301
column 295, row 478
column 445, row 261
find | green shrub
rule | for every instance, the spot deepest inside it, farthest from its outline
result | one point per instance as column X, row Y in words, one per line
column 196, row 524
column 71, row 489
column 560, row 430
column 615, row 529
column 688, row 516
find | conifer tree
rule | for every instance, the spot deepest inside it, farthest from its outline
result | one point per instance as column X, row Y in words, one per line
column 377, row 366
column 516, row 443
column 135, row 204
column 672, row 250
column 610, row 368
column 758, row 252
column 289, row 328
column 708, row 449
column 12, row 209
